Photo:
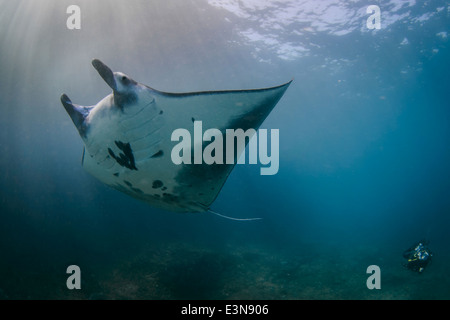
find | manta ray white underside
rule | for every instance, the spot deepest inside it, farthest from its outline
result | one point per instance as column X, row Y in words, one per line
column 127, row 138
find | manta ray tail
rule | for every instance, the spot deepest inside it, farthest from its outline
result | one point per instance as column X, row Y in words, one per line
column 231, row 218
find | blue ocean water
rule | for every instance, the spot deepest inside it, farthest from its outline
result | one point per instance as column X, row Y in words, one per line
column 364, row 150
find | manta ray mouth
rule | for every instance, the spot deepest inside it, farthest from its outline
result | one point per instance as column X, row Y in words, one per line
column 105, row 72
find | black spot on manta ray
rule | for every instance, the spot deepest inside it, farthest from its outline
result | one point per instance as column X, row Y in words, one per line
column 159, row 154
column 137, row 190
column 125, row 159
column 161, row 112
column 127, row 183
column 157, row 184
column 170, row 197
column 116, row 174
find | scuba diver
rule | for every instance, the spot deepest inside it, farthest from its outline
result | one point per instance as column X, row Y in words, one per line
column 418, row 256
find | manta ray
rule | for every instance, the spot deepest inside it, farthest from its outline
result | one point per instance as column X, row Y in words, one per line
column 127, row 137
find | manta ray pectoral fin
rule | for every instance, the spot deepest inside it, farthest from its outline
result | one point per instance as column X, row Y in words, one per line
column 77, row 114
